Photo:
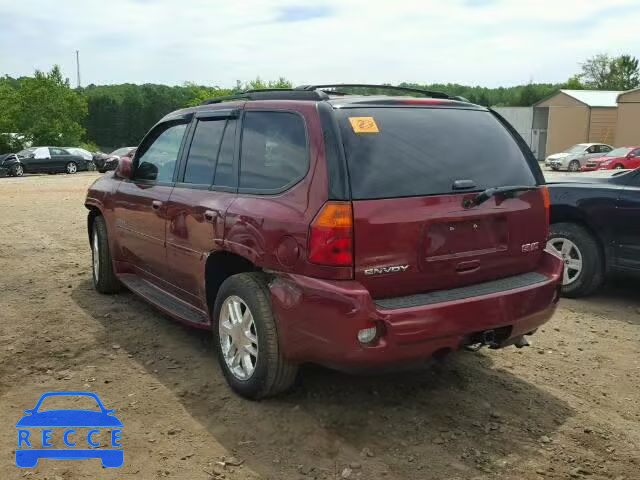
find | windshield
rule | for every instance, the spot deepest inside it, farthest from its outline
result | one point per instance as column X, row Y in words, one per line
column 576, row 149
column 423, row 151
column 121, row 151
column 619, row 152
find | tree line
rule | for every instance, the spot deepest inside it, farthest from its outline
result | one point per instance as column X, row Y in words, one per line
column 44, row 110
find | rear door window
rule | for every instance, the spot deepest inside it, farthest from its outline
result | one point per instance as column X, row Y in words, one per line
column 406, row 152
column 225, row 174
column 273, row 151
column 201, row 161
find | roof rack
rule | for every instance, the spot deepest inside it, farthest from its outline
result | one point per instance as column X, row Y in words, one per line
column 428, row 93
column 271, row 94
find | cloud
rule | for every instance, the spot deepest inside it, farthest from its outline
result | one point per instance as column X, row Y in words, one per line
column 478, row 3
column 493, row 42
column 299, row 13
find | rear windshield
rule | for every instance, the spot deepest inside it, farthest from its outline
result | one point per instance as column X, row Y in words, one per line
column 406, row 152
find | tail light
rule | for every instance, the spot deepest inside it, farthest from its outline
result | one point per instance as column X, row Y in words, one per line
column 546, row 199
column 331, row 235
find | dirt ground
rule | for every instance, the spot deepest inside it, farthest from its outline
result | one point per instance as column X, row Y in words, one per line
column 567, row 407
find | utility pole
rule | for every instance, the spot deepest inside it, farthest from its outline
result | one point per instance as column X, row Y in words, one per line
column 78, row 66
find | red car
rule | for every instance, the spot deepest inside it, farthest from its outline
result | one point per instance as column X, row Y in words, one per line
column 618, row 158
column 309, row 225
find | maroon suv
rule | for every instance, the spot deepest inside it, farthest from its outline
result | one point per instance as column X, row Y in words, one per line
column 310, row 225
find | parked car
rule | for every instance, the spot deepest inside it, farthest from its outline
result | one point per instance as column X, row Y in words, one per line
column 10, row 165
column 86, row 154
column 617, row 159
column 109, row 161
column 51, row 160
column 112, row 162
column 574, row 158
column 336, row 229
column 595, row 227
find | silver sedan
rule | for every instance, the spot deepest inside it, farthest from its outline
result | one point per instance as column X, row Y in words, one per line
column 574, row 158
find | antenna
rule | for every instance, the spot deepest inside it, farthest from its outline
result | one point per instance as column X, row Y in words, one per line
column 78, row 67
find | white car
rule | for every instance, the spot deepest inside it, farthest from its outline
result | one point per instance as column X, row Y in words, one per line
column 573, row 158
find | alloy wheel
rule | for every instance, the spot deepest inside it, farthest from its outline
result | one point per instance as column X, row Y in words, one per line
column 571, row 256
column 238, row 337
column 19, row 171
column 72, row 167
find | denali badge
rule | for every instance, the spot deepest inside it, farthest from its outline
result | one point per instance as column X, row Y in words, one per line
column 383, row 270
column 530, row 247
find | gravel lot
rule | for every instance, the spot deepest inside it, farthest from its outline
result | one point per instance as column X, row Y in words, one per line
column 568, row 407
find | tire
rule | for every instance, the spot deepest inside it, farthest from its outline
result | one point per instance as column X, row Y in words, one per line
column 591, row 273
column 101, row 170
column 574, row 166
column 272, row 373
column 104, row 278
column 71, row 168
column 555, row 169
column 17, row 171
column 618, row 166
column 91, row 167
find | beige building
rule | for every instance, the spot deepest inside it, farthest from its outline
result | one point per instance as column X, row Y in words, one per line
column 628, row 127
column 576, row 116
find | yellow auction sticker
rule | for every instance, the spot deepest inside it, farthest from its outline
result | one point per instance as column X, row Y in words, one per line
column 364, row 125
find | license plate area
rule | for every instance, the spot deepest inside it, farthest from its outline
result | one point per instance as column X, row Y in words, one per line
column 447, row 240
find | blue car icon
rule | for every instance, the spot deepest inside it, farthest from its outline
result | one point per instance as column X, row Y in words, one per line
column 69, row 419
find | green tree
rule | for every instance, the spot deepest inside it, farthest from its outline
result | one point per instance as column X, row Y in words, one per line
column 199, row 93
column 50, row 112
column 258, row 84
column 8, row 106
column 625, row 74
column 604, row 72
column 596, row 71
column 574, row 83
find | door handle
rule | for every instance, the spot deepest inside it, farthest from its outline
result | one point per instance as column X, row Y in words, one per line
column 210, row 215
column 466, row 267
column 156, row 204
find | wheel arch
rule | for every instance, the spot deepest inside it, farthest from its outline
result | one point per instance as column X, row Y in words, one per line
column 571, row 214
column 94, row 212
column 219, row 266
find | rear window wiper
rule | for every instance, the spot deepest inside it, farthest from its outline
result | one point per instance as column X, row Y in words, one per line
column 506, row 191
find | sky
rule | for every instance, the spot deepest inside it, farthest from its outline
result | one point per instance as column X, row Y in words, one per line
column 216, row 42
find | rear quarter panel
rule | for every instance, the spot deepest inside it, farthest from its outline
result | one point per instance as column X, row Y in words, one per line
column 271, row 230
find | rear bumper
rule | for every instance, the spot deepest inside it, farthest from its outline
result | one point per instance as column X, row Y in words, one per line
column 318, row 320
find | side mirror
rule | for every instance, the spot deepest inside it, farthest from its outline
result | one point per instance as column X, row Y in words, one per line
column 631, row 155
column 124, row 170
